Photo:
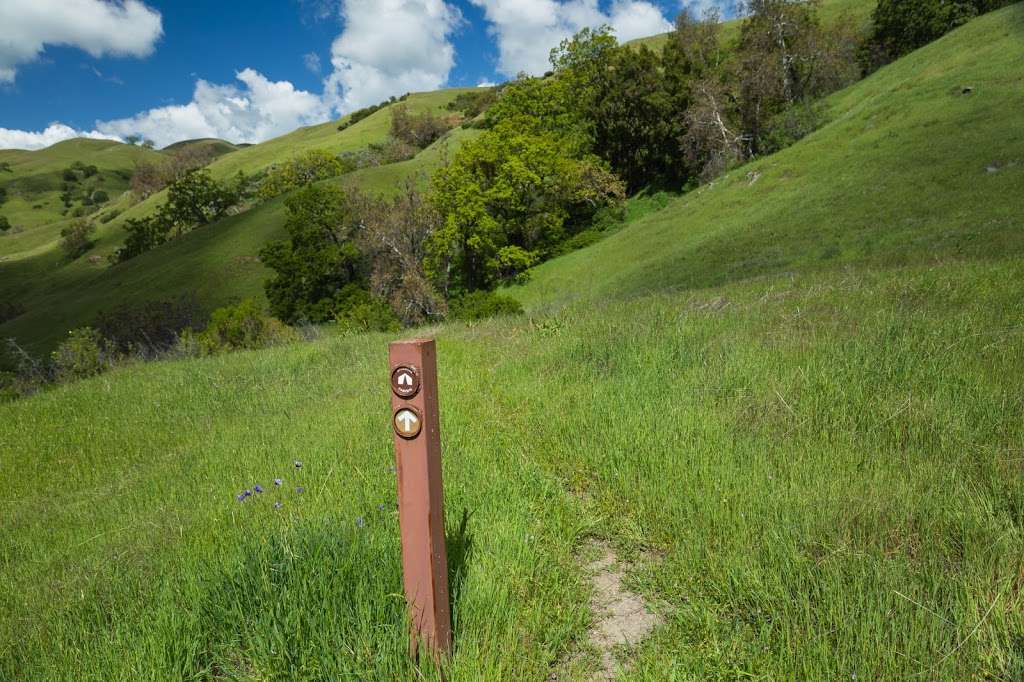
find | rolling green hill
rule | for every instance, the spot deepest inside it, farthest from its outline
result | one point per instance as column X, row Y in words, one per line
column 790, row 400
column 218, row 263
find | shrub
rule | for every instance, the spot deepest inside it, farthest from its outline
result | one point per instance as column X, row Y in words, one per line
column 419, row 130
column 143, row 234
column 241, row 327
column 313, row 166
column 3, row 195
column 5, row 224
column 480, row 305
column 152, row 327
column 100, row 197
column 75, row 239
column 69, row 175
column 362, row 312
column 83, row 354
column 472, row 104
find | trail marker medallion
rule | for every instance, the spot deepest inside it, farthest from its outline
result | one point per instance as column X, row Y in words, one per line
column 405, row 382
column 408, row 424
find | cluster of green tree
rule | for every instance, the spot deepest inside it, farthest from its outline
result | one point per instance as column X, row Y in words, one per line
column 194, row 200
column 901, row 26
column 359, row 114
column 305, row 169
column 3, row 195
column 138, row 140
column 5, row 224
column 471, row 104
column 74, row 189
column 150, row 177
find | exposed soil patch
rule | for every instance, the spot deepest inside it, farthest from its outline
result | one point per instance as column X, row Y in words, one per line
column 621, row 617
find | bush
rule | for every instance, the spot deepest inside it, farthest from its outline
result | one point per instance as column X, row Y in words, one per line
column 100, row 197
column 419, row 130
column 82, row 355
column 75, row 239
column 152, row 327
column 5, row 224
column 69, row 175
column 313, row 166
column 241, row 327
column 143, row 234
column 361, row 312
column 480, row 305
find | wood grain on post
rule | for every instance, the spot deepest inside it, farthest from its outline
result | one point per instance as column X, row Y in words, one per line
column 417, row 432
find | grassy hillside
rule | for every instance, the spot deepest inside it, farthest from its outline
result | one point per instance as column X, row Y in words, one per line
column 217, row 262
column 791, row 400
column 35, row 182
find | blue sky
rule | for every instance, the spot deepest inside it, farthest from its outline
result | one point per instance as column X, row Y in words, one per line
column 247, row 71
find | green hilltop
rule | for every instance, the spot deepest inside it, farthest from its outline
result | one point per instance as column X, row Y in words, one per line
column 790, row 400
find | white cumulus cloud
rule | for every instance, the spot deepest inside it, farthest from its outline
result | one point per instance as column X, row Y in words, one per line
column 54, row 133
column 99, row 27
column 255, row 112
column 389, row 47
column 526, row 30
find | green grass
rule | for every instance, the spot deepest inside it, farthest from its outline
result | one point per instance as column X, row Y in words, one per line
column 799, row 398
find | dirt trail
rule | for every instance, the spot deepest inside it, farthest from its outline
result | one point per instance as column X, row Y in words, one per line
column 621, row 617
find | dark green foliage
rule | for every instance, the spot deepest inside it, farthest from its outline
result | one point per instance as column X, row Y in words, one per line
column 152, row 327
column 319, row 259
column 242, row 327
column 197, row 199
column 901, row 26
column 5, row 167
column 5, row 224
column 143, row 234
column 480, row 305
column 69, row 175
column 636, row 126
column 3, row 195
column 82, row 355
column 76, row 238
column 100, row 197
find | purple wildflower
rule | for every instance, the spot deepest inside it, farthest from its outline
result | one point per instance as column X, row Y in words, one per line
column 247, row 493
column 241, row 497
column 258, row 489
column 380, row 507
column 360, row 522
column 300, row 490
column 278, row 481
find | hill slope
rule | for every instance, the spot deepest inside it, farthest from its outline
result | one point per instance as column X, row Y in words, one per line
column 791, row 401
column 217, row 262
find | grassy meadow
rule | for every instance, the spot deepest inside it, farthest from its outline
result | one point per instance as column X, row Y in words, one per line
column 791, row 399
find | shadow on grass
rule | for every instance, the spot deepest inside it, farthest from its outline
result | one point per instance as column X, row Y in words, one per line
column 460, row 550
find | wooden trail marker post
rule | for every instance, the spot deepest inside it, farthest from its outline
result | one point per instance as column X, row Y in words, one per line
column 417, row 428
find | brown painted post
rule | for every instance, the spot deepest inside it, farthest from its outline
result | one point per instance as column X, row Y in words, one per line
column 416, row 424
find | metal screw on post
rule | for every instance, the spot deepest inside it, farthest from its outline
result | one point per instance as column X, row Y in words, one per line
column 417, row 430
